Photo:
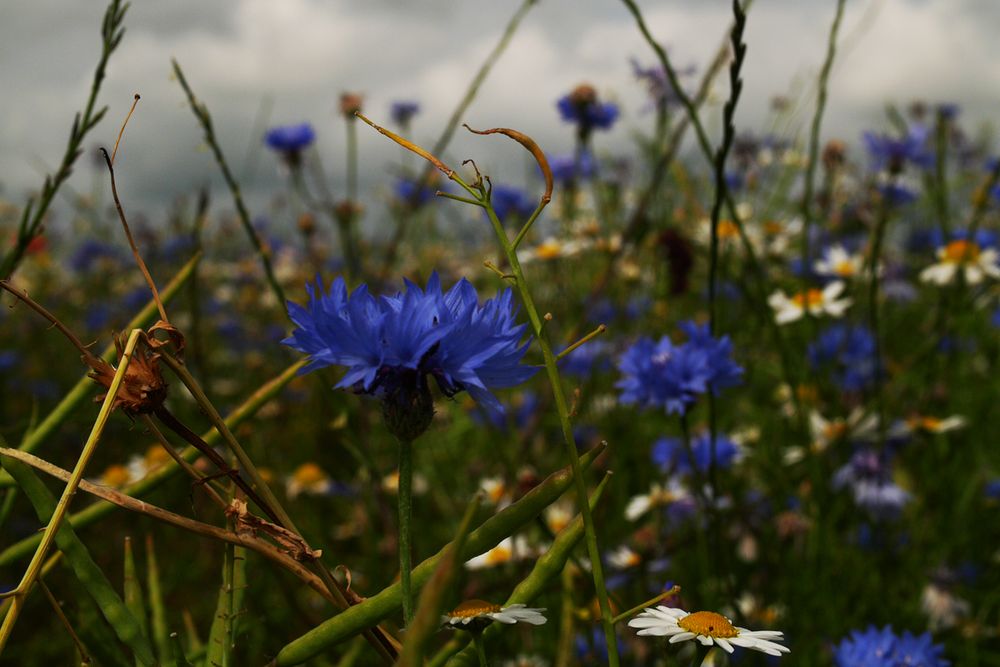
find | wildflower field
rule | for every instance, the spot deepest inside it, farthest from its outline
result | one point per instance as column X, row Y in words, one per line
column 717, row 396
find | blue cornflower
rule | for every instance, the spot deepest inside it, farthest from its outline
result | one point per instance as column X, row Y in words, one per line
column 290, row 141
column 403, row 111
column 671, row 456
column 661, row 92
column 582, row 107
column 91, row 252
column 390, row 345
column 570, row 169
column 723, row 371
column 413, row 194
column 892, row 154
column 663, row 375
column 991, row 490
column 884, row 648
column 9, row 359
column 869, row 476
column 847, row 352
column 508, row 200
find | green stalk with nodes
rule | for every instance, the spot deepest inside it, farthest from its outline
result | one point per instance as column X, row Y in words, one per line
column 480, row 196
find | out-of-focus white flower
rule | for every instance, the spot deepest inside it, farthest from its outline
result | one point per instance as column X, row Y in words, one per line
column 944, row 610
column 509, row 550
column 837, row 262
column 961, row 255
column 658, row 496
column 418, row 485
column 816, row 302
column 308, row 478
column 624, row 558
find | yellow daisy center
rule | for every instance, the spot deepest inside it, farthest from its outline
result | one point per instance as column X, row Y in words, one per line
column 116, row 475
column 773, row 227
column 472, row 608
column 309, row 473
column 708, row 624
column 807, row 393
column 844, row 268
column 727, row 230
column 155, row 456
column 834, row 430
column 550, row 249
column 808, row 299
column 926, row 423
column 498, row 555
column 961, row 252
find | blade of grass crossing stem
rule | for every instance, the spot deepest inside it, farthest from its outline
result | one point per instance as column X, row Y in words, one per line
column 165, row 472
column 386, row 602
column 157, row 609
column 432, row 598
column 123, row 622
column 134, row 598
column 546, row 569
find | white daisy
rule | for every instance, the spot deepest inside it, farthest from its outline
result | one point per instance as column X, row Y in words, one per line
column 856, row 426
column 507, row 551
column 476, row 614
column 495, row 490
column 707, row 627
column 927, row 424
column 816, row 302
column 837, row 262
column 975, row 263
column 558, row 515
column 308, row 478
column 623, row 558
column 657, row 497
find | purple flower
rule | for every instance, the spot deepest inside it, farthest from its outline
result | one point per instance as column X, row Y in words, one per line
column 892, row 154
column 403, row 111
column 390, row 345
column 884, row 648
column 723, row 371
column 847, row 352
column 582, row 108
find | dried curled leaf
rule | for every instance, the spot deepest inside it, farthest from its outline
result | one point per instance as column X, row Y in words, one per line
column 143, row 388
column 289, row 542
column 532, row 147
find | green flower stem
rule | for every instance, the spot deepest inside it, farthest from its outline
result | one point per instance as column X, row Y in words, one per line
column 824, row 75
column 405, row 514
column 878, row 234
column 51, row 529
column 385, row 603
column 552, row 370
column 477, row 639
column 625, row 615
column 205, row 120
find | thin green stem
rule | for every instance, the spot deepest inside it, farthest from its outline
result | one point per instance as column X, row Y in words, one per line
column 352, row 160
column 477, row 639
column 201, row 113
column 552, row 370
column 824, row 76
column 878, row 234
column 405, row 513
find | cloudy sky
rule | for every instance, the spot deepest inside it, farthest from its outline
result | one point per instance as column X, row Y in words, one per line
column 292, row 58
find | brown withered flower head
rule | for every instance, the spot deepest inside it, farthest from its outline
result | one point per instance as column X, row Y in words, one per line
column 350, row 104
column 833, row 154
column 143, row 389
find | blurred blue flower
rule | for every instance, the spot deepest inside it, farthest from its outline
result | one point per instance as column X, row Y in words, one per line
column 391, row 344
column 671, row 456
column 403, row 111
column 893, row 154
column 591, row 648
column 847, row 352
column 508, row 200
column 410, row 193
column 663, row 375
column 290, row 138
column 582, row 108
column 723, row 371
column 884, row 648
column 869, row 476
column 92, row 251
column 992, row 489
column 567, row 169
column 8, row 360
column 661, row 92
